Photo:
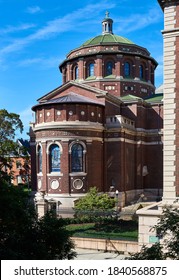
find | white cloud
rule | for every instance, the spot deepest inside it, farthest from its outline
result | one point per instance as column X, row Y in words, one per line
column 33, row 10
column 12, row 29
column 69, row 22
column 49, row 62
column 138, row 21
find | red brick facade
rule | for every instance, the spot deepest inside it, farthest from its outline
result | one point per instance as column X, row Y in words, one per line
column 118, row 132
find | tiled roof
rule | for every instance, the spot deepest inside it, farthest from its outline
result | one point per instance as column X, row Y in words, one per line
column 151, row 99
column 130, row 97
column 155, row 98
column 72, row 98
column 106, row 38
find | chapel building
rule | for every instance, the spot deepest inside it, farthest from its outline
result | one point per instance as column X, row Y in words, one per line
column 102, row 127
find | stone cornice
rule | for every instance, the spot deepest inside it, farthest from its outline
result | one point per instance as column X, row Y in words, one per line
column 168, row 3
column 73, row 125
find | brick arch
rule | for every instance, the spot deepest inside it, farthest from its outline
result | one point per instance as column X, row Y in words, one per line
column 52, row 143
column 82, row 161
column 87, row 63
column 73, row 70
column 132, row 63
column 37, row 146
column 145, row 70
column 106, row 61
column 77, row 142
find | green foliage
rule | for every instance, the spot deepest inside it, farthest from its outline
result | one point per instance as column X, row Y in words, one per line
column 95, row 201
column 9, row 124
column 168, row 230
column 25, row 237
column 154, row 252
column 94, row 206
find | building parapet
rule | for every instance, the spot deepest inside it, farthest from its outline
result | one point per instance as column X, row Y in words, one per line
column 119, row 121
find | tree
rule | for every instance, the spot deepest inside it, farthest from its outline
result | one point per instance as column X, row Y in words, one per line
column 167, row 230
column 9, row 124
column 22, row 235
column 25, row 237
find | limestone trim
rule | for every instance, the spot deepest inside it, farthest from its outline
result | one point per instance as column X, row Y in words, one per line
column 54, row 142
column 137, row 131
column 169, row 157
column 66, row 124
column 121, row 139
column 55, row 174
column 77, row 141
column 67, row 139
column 77, row 174
column 38, row 144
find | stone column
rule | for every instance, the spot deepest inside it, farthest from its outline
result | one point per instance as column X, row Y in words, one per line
column 171, row 104
column 41, row 205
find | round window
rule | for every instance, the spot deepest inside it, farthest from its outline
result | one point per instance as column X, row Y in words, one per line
column 78, row 184
column 54, row 184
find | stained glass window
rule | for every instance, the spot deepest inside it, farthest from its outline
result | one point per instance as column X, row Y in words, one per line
column 76, row 73
column 39, row 159
column 77, row 158
column 109, row 67
column 54, row 158
column 127, row 69
column 91, row 69
column 141, row 69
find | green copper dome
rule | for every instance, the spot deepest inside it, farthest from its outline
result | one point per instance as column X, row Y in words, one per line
column 106, row 38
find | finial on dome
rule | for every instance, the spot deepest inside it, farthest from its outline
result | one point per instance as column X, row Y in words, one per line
column 107, row 24
column 107, row 14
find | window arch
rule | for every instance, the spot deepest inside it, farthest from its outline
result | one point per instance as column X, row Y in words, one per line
column 127, row 69
column 141, row 72
column 109, row 68
column 39, row 163
column 90, row 70
column 77, row 158
column 54, row 158
column 76, row 73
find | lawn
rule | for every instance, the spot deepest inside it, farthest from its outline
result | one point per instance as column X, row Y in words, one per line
column 120, row 230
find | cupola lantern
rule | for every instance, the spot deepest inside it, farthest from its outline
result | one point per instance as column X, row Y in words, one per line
column 107, row 25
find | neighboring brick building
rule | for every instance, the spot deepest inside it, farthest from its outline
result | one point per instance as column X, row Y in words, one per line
column 20, row 165
column 102, row 127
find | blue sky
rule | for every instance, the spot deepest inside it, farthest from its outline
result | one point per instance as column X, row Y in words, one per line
column 36, row 35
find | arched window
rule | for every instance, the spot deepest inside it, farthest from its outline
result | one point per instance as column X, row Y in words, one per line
column 141, row 71
column 91, row 69
column 152, row 75
column 39, row 159
column 77, row 158
column 54, row 158
column 76, row 73
column 127, row 69
column 109, row 68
